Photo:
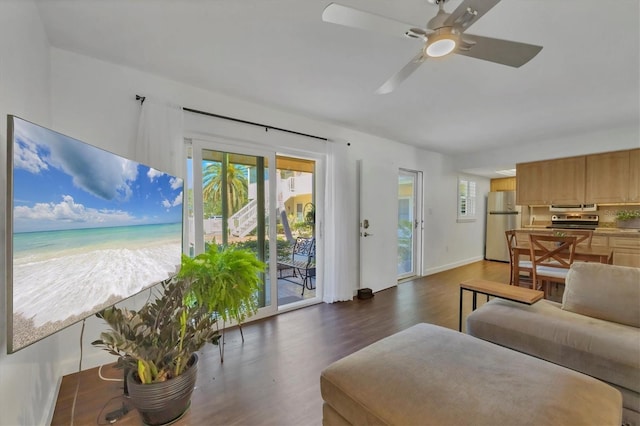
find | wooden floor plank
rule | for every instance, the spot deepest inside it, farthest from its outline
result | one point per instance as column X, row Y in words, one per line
column 273, row 378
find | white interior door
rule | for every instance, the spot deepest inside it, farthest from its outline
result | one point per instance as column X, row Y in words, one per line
column 378, row 186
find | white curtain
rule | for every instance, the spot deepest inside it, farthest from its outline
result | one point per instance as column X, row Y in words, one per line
column 340, row 243
column 160, row 141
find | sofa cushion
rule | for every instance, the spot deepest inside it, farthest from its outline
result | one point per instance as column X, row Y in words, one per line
column 608, row 292
column 602, row 349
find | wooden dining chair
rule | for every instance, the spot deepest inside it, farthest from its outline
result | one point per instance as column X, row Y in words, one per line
column 551, row 258
column 523, row 265
column 583, row 235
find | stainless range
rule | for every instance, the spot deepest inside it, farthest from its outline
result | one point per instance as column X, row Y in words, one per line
column 574, row 221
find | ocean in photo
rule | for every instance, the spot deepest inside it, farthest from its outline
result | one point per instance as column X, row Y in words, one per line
column 72, row 273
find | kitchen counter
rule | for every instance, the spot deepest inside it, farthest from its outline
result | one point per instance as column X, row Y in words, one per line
column 617, row 231
column 609, row 232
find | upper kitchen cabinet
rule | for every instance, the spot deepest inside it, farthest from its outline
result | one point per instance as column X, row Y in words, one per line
column 551, row 182
column 613, row 177
column 532, row 181
column 503, row 184
column 567, row 180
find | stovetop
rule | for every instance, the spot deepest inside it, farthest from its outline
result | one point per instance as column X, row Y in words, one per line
column 572, row 226
column 574, row 221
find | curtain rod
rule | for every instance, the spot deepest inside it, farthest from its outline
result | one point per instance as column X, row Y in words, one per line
column 238, row 120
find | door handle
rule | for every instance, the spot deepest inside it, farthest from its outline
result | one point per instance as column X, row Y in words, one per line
column 366, row 234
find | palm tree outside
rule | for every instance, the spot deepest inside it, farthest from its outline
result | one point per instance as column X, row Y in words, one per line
column 236, row 187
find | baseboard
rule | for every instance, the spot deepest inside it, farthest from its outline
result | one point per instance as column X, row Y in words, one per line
column 442, row 268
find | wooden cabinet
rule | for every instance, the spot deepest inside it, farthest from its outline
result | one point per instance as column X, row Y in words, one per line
column 551, row 182
column 503, row 184
column 599, row 241
column 608, row 177
column 532, row 181
column 634, row 176
column 566, row 177
column 626, row 251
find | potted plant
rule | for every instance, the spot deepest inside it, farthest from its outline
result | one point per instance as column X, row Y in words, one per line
column 628, row 218
column 226, row 281
column 157, row 345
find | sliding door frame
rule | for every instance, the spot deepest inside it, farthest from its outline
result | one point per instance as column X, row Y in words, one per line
column 270, row 153
column 417, row 225
column 198, row 145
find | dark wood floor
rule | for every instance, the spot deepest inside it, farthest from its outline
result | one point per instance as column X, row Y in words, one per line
column 273, row 377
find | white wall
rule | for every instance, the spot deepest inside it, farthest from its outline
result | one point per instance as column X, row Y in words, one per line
column 449, row 244
column 28, row 379
column 613, row 139
column 94, row 101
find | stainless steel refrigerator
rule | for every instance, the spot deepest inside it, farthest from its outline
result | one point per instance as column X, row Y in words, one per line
column 502, row 215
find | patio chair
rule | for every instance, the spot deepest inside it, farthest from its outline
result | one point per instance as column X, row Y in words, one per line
column 302, row 263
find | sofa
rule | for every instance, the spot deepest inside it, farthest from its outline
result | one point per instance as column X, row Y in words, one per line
column 595, row 330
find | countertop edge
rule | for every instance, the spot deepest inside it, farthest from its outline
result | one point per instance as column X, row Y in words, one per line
column 607, row 232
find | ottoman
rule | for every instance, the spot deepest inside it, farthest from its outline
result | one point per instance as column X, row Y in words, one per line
column 430, row 375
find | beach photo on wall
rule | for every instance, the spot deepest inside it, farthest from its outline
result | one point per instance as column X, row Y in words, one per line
column 89, row 228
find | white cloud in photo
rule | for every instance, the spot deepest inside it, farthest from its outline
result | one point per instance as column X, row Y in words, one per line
column 70, row 212
column 153, row 174
column 98, row 172
column 25, row 156
column 167, row 204
column 175, row 183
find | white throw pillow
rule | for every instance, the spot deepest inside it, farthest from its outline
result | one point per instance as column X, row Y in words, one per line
column 602, row 291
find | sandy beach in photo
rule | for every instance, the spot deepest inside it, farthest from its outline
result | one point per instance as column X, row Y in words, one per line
column 59, row 283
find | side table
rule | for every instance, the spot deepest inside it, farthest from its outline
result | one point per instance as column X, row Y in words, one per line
column 503, row 291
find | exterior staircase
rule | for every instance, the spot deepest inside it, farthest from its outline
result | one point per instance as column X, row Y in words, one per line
column 245, row 220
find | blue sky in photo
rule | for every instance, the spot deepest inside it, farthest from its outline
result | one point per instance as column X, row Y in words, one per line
column 61, row 183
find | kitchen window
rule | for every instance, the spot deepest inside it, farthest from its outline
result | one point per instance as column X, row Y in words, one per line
column 466, row 200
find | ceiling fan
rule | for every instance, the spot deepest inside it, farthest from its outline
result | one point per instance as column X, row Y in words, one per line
column 444, row 34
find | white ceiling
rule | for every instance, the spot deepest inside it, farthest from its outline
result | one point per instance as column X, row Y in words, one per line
column 281, row 54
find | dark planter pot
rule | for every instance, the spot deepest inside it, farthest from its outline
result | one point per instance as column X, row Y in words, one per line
column 162, row 403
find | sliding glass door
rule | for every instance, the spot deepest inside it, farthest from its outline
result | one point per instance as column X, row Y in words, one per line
column 228, row 204
column 409, row 223
column 296, row 229
column 259, row 201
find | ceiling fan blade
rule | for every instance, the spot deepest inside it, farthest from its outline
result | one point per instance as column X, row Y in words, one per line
column 468, row 12
column 350, row 17
column 390, row 85
column 505, row 52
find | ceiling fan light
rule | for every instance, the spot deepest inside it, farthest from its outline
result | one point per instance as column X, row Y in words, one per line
column 441, row 42
column 440, row 47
